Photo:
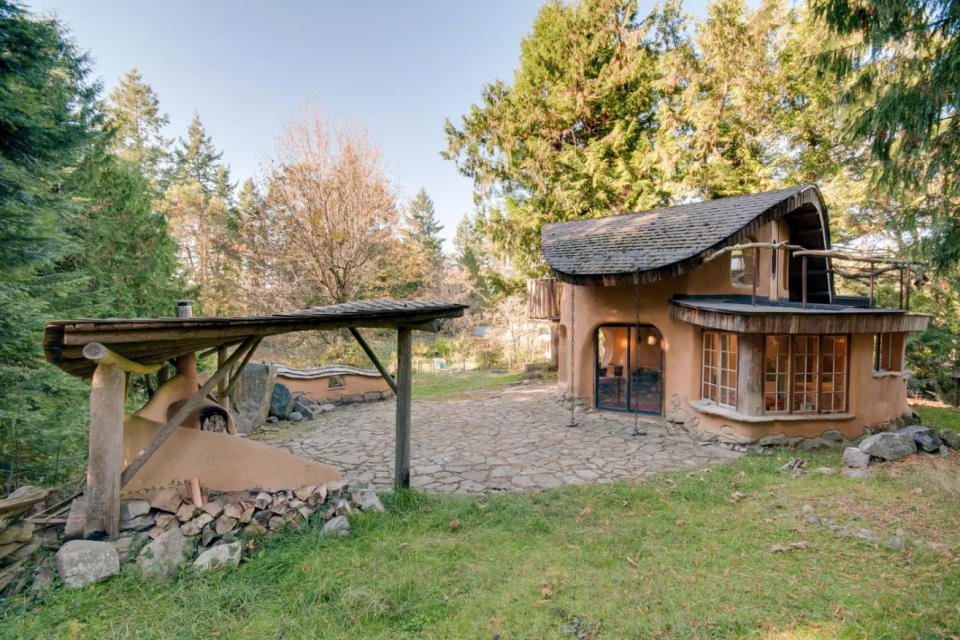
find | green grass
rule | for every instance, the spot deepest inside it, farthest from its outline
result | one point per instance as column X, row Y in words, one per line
column 678, row 556
column 432, row 386
column 938, row 417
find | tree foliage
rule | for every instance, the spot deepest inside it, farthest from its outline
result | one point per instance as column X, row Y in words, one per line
column 136, row 125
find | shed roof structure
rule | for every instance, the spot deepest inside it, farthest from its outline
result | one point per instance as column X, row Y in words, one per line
column 662, row 243
column 111, row 350
column 156, row 340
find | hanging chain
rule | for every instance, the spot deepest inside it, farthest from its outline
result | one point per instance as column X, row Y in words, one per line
column 572, row 342
column 637, row 431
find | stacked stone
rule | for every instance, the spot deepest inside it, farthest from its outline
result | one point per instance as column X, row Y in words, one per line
column 177, row 528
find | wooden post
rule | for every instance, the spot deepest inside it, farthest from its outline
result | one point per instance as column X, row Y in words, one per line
column 756, row 272
column 105, row 461
column 908, row 288
column 401, row 475
column 803, row 276
column 873, row 275
column 222, row 387
column 750, row 374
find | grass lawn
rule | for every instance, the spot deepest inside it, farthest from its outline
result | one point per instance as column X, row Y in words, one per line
column 938, row 417
column 433, row 386
column 681, row 555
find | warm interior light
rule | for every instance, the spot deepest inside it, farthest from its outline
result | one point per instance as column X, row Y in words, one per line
column 651, row 340
column 623, row 343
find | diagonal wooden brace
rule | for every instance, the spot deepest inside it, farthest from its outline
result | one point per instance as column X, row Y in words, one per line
column 185, row 410
column 373, row 358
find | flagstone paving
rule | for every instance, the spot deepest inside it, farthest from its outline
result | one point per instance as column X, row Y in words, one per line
column 510, row 440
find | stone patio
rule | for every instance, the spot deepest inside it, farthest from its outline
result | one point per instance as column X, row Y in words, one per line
column 509, row 440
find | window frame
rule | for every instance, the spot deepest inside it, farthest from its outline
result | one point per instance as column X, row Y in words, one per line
column 820, row 393
column 630, row 326
column 334, row 387
column 894, row 352
column 723, row 392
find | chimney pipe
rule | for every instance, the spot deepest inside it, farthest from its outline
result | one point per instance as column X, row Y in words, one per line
column 184, row 310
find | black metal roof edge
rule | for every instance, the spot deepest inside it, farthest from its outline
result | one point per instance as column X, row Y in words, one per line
column 711, row 302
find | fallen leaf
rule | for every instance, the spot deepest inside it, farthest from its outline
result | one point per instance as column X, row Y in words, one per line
column 585, row 512
column 454, row 525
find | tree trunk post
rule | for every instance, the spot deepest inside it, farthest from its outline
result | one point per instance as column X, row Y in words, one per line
column 404, row 388
column 222, row 398
column 105, row 461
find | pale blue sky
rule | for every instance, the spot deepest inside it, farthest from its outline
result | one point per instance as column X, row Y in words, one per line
column 397, row 68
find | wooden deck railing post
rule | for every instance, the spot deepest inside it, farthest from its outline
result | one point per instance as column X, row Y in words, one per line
column 105, row 460
column 404, row 389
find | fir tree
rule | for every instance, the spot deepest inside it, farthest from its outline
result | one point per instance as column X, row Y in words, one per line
column 197, row 160
column 425, row 228
column 136, row 122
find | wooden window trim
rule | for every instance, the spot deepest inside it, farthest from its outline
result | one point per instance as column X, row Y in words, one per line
column 720, row 387
column 819, row 381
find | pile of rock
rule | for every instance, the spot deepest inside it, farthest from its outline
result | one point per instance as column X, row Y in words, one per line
column 899, row 444
column 295, row 407
column 175, row 527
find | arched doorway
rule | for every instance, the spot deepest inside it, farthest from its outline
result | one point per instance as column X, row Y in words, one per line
column 628, row 372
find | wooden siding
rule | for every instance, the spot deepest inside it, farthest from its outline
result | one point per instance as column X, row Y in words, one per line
column 793, row 321
column 543, row 299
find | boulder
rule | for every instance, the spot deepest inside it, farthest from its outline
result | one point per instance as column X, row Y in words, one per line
column 224, row 555
column 81, row 562
column 161, row 557
column 373, row 396
column 130, row 509
column 140, row 523
column 252, row 396
column 306, row 406
column 295, row 416
column 925, row 437
column 728, row 434
column 950, row 438
column 367, row 500
column 773, row 440
column 889, row 446
column 857, row 473
column 833, row 435
column 123, row 545
column 280, row 401
column 336, row 527
column 855, row 458
column 327, row 407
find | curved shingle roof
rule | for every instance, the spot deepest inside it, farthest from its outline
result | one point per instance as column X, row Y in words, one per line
column 665, row 242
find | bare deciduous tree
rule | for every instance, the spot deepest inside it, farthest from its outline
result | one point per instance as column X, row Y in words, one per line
column 333, row 209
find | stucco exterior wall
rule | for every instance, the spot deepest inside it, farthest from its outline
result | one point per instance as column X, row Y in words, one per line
column 319, row 388
column 873, row 399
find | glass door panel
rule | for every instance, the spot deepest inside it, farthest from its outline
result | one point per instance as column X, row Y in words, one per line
column 646, row 381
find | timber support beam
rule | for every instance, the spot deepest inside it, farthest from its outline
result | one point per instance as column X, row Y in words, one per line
column 404, row 391
column 374, row 359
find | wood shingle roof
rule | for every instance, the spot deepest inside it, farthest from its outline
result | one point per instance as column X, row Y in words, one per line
column 662, row 243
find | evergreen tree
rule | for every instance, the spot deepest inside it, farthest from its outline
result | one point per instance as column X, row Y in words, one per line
column 136, row 122
column 425, row 228
column 901, row 69
column 572, row 136
column 48, row 113
column 197, row 160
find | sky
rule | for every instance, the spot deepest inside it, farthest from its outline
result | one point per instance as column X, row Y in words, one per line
column 398, row 69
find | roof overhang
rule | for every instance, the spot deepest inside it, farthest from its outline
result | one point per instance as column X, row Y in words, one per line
column 156, row 340
column 781, row 317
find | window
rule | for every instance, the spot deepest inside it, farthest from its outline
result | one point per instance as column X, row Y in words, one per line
column 741, row 267
column 887, row 348
column 335, row 382
column 720, row 368
column 805, row 374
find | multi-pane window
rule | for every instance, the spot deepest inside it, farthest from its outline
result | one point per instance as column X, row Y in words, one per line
column 886, row 348
column 720, row 368
column 776, row 374
column 805, row 374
